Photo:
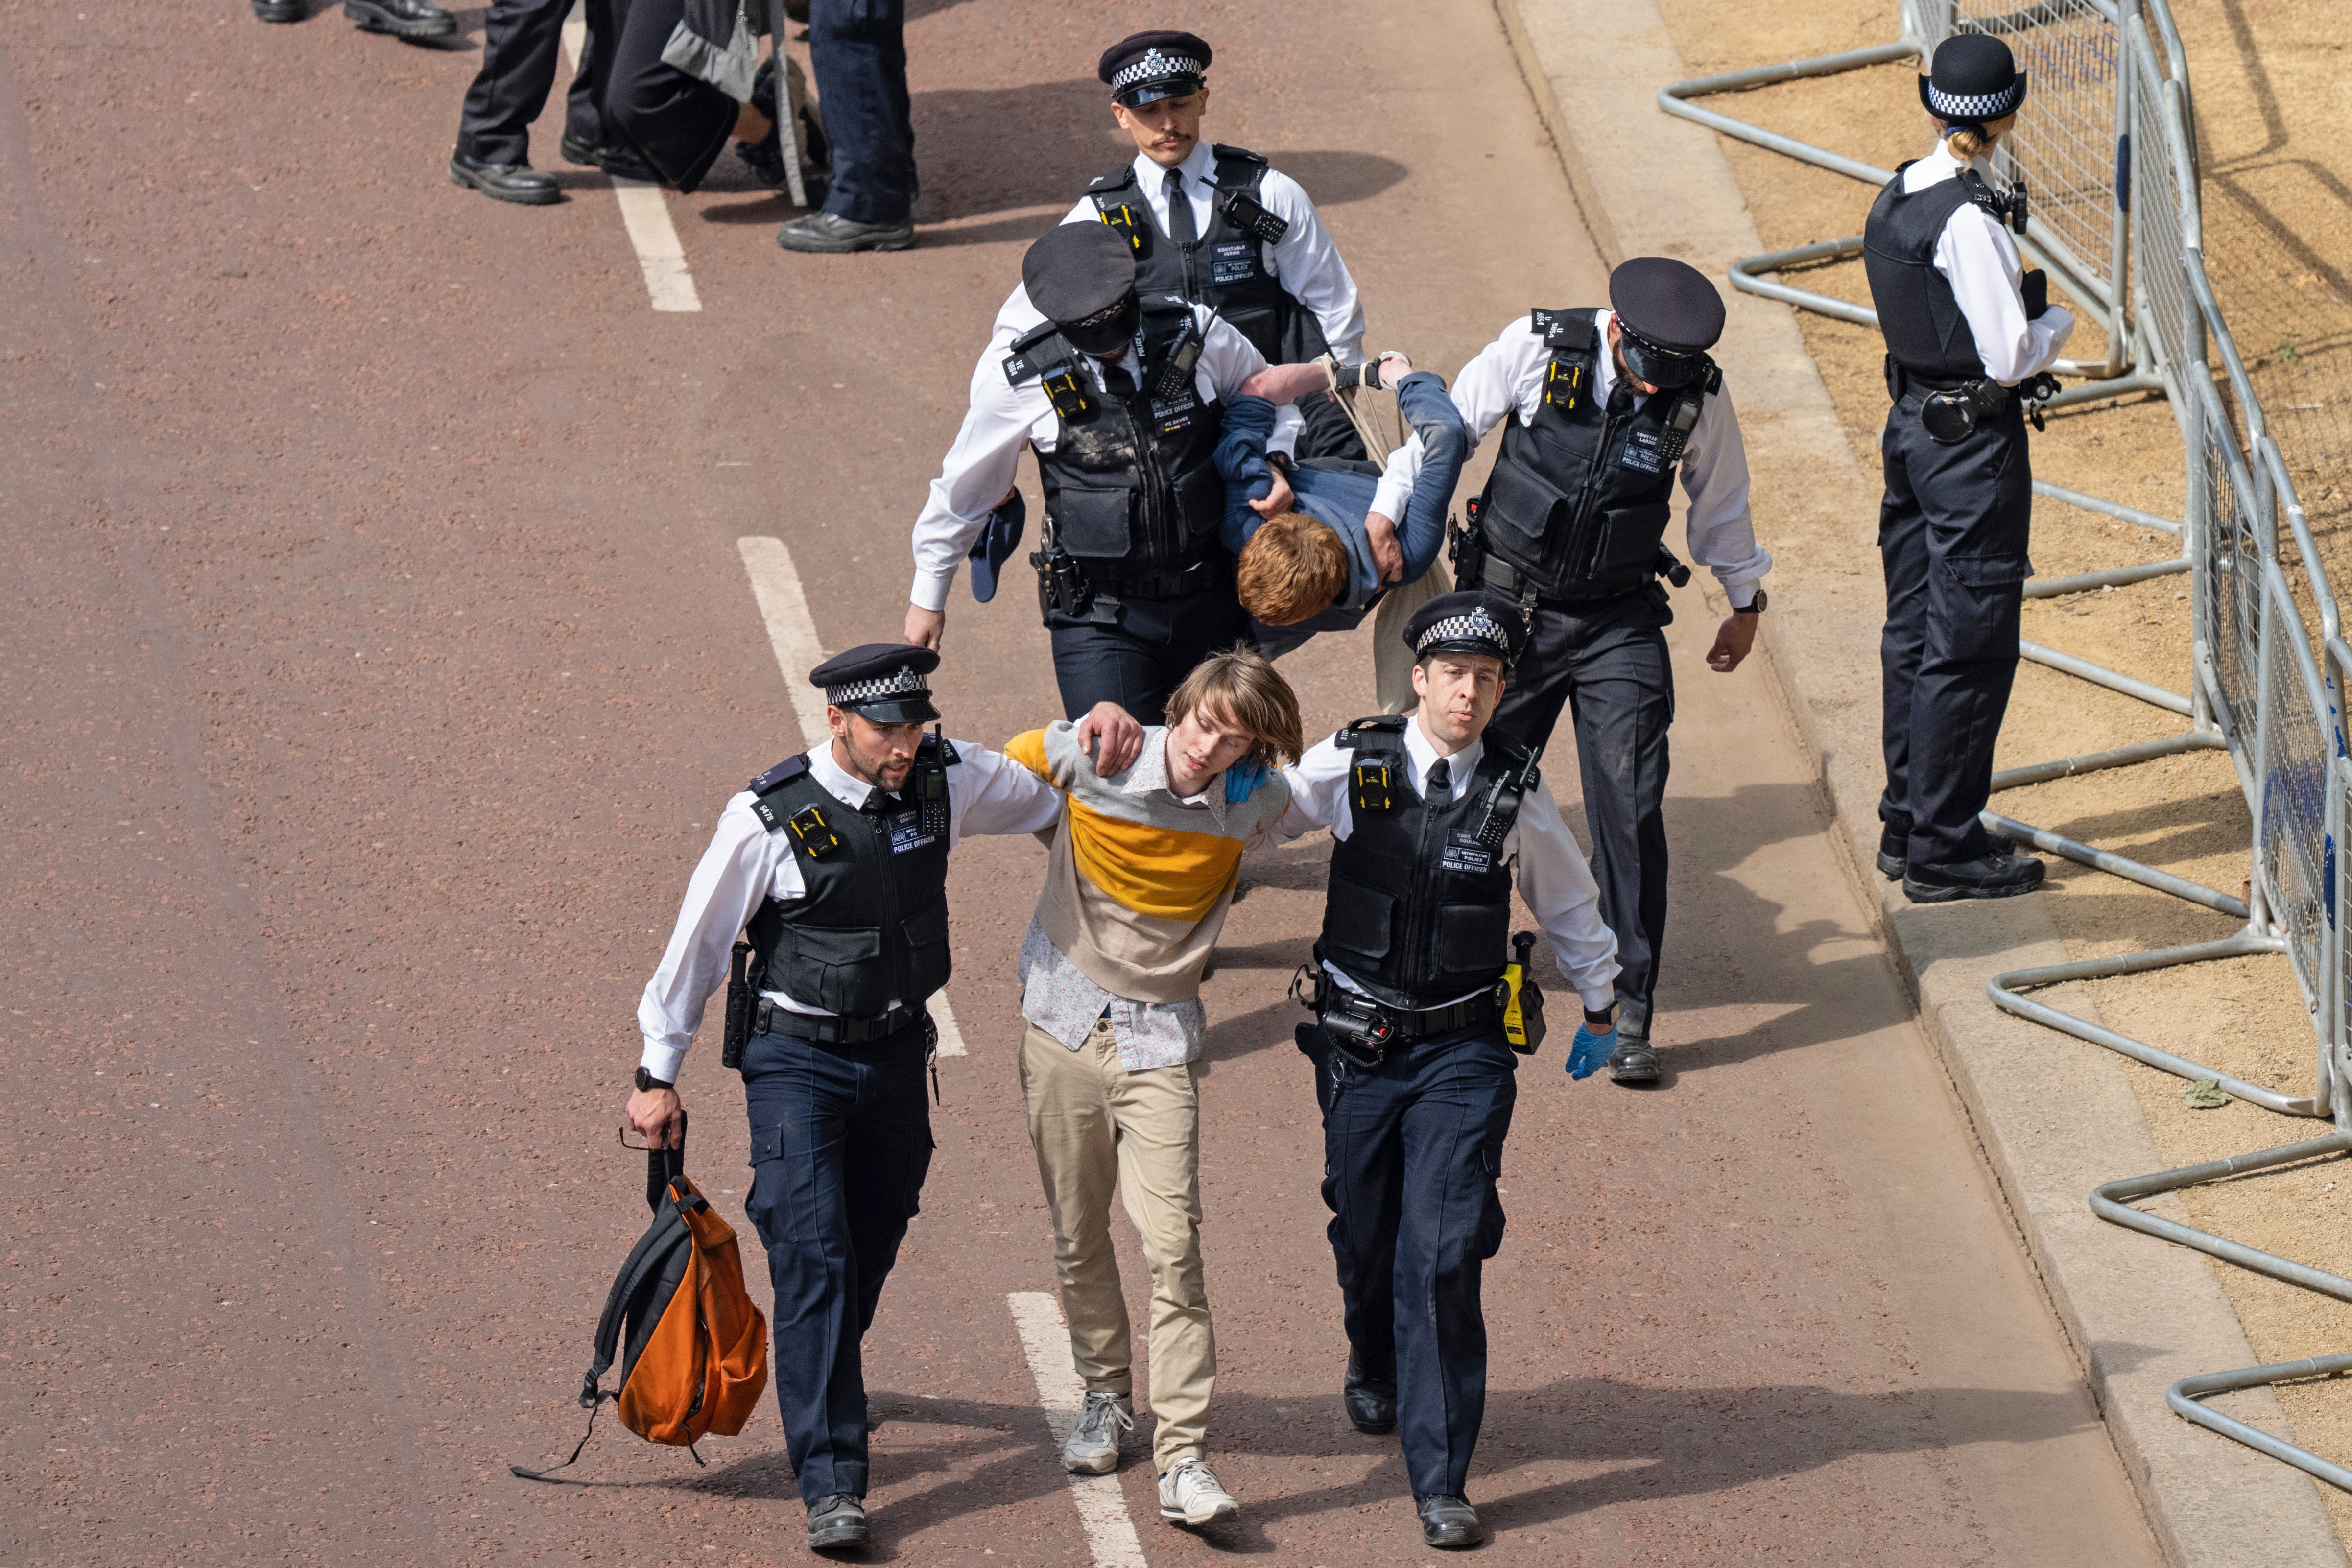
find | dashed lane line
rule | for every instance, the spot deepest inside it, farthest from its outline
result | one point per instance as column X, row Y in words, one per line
column 1102, row 1505
column 644, row 214
column 792, row 632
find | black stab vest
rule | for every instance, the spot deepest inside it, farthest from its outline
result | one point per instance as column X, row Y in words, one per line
column 1226, row 267
column 872, row 926
column 1131, row 485
column 1418, row 912
column 1579, row 498
column 1918, row 313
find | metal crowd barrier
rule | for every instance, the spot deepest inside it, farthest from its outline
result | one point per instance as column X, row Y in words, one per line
column 2109, row 148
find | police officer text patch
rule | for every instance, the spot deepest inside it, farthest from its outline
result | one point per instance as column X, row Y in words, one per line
column 1644, row 452
column 906, row 832
column 1233, row 261
column 1467, row 857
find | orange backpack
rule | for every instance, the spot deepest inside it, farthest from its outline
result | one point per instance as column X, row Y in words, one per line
column 692, row 1347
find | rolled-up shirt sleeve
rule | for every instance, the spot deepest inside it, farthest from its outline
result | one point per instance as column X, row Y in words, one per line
column 735, row 874
column 1557, row 886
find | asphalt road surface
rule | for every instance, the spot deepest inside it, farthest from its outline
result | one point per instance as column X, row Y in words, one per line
column 376, row 648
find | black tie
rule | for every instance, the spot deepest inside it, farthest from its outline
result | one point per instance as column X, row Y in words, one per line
column 1116, row 382
column 878, row 804
column 1180, row 226
column 1441, row 782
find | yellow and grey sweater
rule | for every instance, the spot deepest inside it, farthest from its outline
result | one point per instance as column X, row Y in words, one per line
column 1136, row 893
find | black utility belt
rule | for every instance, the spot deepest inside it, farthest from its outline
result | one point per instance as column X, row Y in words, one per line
column 1507, row 580
column 832, row 1029
column 1361, row 1029
column 1178, row 584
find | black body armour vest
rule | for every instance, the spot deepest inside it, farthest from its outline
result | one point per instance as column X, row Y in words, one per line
column 1579, row 498
column 1420, row 906
column 872, row 927
column 1226, row 267
column 1918, row 313
column 1131, row 485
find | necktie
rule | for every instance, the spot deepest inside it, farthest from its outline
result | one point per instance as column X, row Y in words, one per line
column 878, row 804
column 1116, row 382
column 1180, row 226
column 1440, row 783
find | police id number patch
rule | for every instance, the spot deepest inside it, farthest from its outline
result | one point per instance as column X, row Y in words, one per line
column 1644, row 452
column 906, row 832
column 1232, row 262
column 1466, row 858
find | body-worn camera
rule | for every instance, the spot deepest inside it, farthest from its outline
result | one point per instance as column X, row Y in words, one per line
column 1354, row 1023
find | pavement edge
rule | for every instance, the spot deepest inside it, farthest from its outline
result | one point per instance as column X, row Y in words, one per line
column 2054, row 1117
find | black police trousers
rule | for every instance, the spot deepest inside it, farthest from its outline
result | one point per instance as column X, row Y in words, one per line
column 1411, row 1151
column 1952, row 537
column 841, row 1139
column 1134, row 652
column 1606, row 660
column 522, row 41
column 678, row 120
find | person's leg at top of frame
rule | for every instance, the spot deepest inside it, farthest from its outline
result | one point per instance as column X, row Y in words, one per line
column 857, row 49
column 1111, row 970
column 681, row 119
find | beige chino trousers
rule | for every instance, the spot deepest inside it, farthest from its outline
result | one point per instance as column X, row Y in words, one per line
column 1096, row 1125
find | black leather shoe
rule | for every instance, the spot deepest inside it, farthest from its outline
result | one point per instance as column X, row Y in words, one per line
column 1370, row 1402
column 824, row 232
column 1892, row 845
column 1994, row 876
column 1634, row 1061
column 401, row 18
column 1447, row 1521
column 280, row 10
column 837, row 1522
column 618, row 159
column 505, row 182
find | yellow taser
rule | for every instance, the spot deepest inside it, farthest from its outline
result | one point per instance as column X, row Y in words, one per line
column 1523, row 1018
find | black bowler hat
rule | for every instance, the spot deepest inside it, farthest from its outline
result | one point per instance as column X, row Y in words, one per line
column 1078, row 270
column 1148, row 66
column 1669, row 316
column 1473, row 621
column 883, row 682
column 1972, row 81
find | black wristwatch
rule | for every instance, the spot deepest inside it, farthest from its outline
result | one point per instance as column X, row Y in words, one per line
column 647, row 1081
column 1753, row 607
column 1602, row 1020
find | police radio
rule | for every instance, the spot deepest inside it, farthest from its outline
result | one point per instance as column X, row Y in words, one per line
column 1503, row 798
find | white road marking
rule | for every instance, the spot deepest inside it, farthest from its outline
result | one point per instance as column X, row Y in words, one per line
column 791, row 632
column 1102, row 1506
column 647, row 216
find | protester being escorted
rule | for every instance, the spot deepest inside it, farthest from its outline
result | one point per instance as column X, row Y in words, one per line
column 836, row 861
column 1969, row 336
column 1414, row 1068
column 1332, row 560
column 1605, row 407
column 1244, row 238
column 411, row 20
column 1134, row 582
column 522, row 41
column 1143, row 866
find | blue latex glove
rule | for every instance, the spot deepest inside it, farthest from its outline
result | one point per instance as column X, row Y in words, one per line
column 1241, row 779
column 1589, row 1051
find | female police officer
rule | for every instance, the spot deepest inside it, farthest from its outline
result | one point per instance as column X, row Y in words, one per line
column 1964, row 327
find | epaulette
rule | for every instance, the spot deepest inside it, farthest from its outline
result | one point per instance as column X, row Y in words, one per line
column 1565, row 328
column 1714, row 378
column 1021, row 364
column 785, row 771
column 1122, row 175
column 941, row 747
column 1234, row 155
column 1351, row 735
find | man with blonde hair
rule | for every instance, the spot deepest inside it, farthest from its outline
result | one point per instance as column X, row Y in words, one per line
column 1335, row 557
column 1143, row 866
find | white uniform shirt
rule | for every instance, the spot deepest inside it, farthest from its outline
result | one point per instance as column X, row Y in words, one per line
column 1977, row 257
column 746, row 864
column 1508, row 378
column 1553, row 877
column 1002, row 419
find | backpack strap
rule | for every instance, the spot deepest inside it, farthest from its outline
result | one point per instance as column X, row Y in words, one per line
column 1574, row 339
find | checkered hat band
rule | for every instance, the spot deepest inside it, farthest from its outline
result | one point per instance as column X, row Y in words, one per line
column 1976, row 105
column 1154, row 65
column 899, row 682
column 1477, row 626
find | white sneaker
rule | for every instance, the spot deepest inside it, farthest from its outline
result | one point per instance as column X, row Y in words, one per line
column 1189, row 1494
column 1093, row 1446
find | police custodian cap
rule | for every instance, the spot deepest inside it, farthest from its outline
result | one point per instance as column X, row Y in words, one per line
column 1148, row 66
column 1474, row 621
column 1077, row 270
column 1668, row 304
column 882, row 680
column 1972, row 81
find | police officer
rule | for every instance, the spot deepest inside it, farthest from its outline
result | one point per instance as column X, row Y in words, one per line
column 1431, row 817
column 521, row 40
column 1217, row 226
column 1965, row 326
column 837, row 860
column 1605, row 409
column 1119, row 395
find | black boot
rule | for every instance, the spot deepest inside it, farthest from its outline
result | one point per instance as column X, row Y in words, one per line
column 618, row 158
column 401, row 18
column 1995, row 876
column 280, row 10
column 1447, row 1521
column 837, row 1522
column 1634, row 1061
column 1893, row 844
column 1370, row 1402
column 505, row 182
column 826, row 232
